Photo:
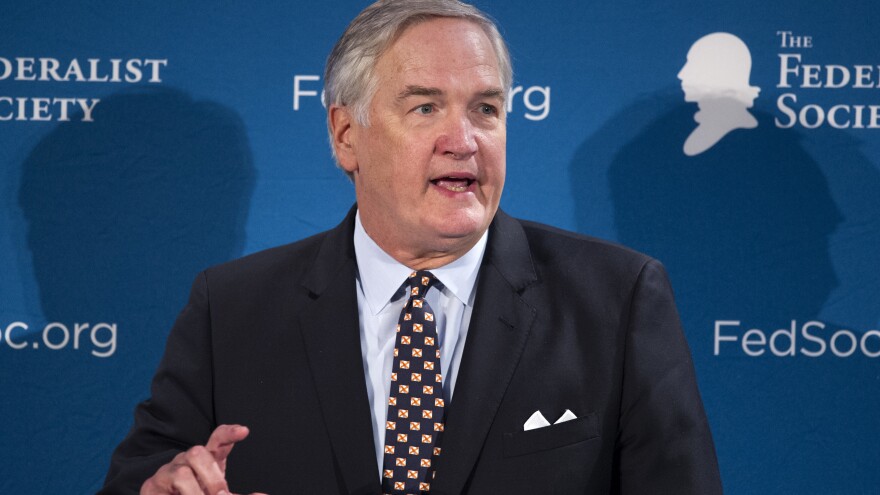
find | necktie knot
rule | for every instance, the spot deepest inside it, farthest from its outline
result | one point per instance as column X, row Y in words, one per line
column 419, row 282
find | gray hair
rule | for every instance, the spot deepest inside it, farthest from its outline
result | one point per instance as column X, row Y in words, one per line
column 348, row 77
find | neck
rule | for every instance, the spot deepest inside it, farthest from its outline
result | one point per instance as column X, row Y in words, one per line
column 422, row 259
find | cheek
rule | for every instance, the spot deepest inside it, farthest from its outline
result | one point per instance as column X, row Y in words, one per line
column 494, row 155
column 377, row 158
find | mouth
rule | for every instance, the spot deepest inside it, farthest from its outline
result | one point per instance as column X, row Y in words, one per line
column 454, row 183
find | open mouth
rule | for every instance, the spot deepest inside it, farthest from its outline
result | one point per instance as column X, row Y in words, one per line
column 454, row 184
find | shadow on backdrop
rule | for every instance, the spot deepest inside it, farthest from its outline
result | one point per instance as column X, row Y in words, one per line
column 745, row 230
column 121, row 214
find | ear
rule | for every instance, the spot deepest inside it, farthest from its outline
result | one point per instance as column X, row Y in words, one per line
column 341, row 133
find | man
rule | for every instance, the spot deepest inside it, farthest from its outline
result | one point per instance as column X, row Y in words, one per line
column 285, row 372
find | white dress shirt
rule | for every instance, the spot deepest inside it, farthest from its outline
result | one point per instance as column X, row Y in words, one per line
column 380, row 296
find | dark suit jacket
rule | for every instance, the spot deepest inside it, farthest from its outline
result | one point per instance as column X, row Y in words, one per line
column 561, row 321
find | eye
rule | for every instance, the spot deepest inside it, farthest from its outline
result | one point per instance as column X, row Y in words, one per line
column 425, row 109
column 487, row 109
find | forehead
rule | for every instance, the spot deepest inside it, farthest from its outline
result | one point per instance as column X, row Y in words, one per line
column 441, row 49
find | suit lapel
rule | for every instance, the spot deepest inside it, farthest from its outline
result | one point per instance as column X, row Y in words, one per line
column 330, row 330
column 499, row 326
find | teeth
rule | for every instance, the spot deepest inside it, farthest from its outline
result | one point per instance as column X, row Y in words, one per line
column 454, row 185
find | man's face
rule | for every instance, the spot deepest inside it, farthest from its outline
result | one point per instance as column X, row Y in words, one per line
column 429, row 169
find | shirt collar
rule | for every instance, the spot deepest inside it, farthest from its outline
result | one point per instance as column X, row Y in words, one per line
column 381, row 275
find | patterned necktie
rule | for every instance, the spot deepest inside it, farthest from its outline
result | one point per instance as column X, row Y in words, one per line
column 415, row 404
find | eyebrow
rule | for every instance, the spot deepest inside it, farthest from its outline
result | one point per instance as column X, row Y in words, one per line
column 416, row 90
column 494, row 93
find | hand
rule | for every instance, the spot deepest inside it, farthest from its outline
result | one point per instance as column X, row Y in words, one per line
column 200, row 470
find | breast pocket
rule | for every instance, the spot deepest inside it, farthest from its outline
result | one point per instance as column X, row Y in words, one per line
column 550, row 437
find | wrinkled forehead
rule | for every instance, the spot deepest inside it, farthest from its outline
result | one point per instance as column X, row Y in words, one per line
column 440, row 47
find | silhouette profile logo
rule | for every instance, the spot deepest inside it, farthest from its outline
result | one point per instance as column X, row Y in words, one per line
column 716, row 77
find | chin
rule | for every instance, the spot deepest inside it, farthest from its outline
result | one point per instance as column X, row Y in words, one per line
column 463, row 224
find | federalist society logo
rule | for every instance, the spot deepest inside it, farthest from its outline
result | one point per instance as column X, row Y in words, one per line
column 63, row 108
column 716, row 77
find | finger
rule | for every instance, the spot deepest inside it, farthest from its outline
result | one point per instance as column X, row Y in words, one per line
column 185, row 482
column 175, row 477
column 223, row 439
column 207, row 469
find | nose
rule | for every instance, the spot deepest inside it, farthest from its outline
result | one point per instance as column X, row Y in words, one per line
column 457, row 138
column 682, row 73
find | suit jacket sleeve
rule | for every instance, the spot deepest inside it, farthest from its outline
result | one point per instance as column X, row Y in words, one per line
column 664, row 443
column 179, row 413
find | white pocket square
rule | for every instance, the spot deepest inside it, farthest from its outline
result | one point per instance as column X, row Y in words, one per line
column 537, row 420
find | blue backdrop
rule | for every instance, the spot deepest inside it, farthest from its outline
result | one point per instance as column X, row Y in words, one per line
column 143, row 141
